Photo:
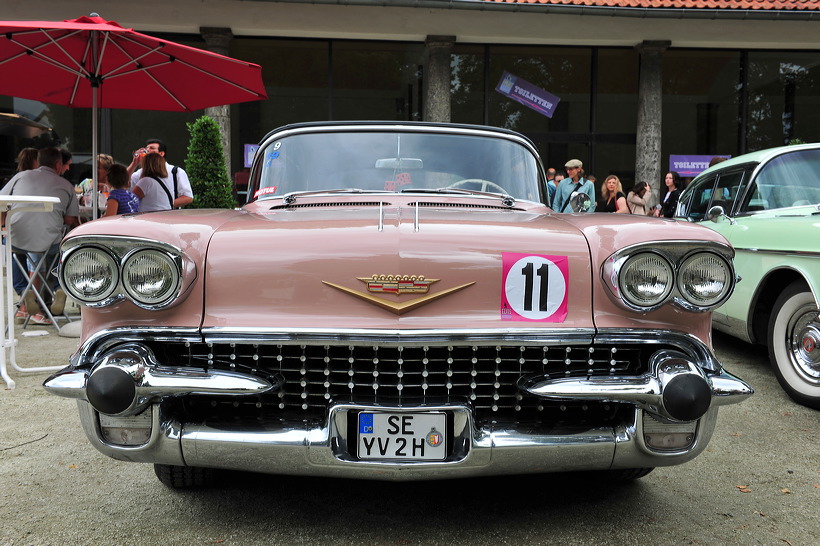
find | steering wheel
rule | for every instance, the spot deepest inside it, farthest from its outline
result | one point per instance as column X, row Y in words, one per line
column 485, row 185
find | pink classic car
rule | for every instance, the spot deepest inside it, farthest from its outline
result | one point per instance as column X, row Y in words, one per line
column 396, row 301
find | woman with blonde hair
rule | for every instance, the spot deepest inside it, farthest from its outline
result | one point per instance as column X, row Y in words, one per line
column 612, row 195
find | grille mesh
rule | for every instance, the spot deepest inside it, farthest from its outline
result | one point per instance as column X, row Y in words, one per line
column 484, row 377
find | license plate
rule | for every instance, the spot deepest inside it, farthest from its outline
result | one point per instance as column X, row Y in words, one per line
column 403, row 436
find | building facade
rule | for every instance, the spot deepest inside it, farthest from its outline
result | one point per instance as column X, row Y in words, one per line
column 638, row 80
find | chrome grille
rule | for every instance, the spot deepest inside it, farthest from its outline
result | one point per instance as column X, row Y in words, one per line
column 485, row 377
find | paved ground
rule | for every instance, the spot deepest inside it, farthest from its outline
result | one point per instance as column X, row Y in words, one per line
column 758, row 483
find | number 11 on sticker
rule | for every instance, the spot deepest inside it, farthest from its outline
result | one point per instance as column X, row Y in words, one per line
column 534, row 287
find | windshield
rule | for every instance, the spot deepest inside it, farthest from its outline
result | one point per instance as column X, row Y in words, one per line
column 392, row 161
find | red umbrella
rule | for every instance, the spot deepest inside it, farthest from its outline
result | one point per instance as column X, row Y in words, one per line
column 91, row 62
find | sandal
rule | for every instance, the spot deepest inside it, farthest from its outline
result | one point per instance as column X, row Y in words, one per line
column 58, row 305
column 32, row 307
column 40, row 319
column 20, row 317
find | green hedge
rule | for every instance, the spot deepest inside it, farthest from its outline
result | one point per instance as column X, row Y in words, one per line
column 206, row 167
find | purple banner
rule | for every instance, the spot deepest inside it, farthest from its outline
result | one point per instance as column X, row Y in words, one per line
column 691, row 165
column 250, row 151
column 527, row 94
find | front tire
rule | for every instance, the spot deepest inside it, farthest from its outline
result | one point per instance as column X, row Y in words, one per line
column 794, row 346
column 625, row 475
column 182, row 477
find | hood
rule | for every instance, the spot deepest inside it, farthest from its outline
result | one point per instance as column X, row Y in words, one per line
column 388, row 266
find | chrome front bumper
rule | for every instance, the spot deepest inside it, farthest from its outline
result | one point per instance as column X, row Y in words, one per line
column 295, row 450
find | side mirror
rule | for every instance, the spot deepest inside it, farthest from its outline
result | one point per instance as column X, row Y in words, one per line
column 716, row 214
column 579, row 202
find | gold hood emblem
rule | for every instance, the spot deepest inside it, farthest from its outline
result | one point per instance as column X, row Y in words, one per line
column 398, row 284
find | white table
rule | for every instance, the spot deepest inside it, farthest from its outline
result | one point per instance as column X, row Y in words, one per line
column 29, row 203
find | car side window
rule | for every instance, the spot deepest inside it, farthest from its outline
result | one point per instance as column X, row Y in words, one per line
column 695, row 201
column 788, row 180
column 728, row 188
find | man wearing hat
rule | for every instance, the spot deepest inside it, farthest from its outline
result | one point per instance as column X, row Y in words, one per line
column 574, row 182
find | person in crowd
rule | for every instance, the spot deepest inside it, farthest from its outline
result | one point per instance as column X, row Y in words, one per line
column 554, row 186
column 86, row 187
column 176, row 179
column 638, row 198
column 574, row 182
column 38, row 232
column 152, row 187
column 27, row 159
column 612, row 195
column 66, row 161
column 120, row 199
column 551, row 183
column 669, row 204
column 717, row 159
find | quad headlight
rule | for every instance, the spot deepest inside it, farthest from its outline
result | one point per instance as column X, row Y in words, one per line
column 694, row 277
column 704, row 279
column 646, row 279
column 90, row 274
column 150, row 277
column 100, row 271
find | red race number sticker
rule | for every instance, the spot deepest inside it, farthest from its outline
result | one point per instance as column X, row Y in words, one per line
column 534, row 287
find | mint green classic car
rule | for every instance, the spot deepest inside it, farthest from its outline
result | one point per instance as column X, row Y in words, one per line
column 767, row 204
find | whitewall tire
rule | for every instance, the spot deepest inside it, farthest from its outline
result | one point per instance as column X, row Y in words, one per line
column 794, row 344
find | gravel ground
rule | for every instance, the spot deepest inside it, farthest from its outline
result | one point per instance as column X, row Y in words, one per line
column 757, row 483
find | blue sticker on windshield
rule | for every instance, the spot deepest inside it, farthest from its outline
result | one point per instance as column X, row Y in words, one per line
column 270, row 157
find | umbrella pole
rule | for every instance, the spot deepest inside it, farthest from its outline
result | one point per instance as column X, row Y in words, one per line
column 94, row 170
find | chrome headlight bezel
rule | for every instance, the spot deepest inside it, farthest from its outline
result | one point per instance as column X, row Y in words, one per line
column 681, row 256
column 123, row 251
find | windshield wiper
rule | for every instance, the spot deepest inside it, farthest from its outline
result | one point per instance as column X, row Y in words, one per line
column 507, row 200
column 290, row 198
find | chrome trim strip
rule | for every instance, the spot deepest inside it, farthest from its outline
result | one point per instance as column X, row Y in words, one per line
column 798, row 253
column 94, row 346
column 219, row 334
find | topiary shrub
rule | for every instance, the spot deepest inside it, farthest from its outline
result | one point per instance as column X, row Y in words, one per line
column 206, row 168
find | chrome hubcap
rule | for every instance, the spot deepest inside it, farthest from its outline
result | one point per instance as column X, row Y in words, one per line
column 804, row 344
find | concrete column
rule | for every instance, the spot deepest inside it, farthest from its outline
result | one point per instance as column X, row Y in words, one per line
column 648, row 166
column 437, row 78
column 218, row 41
